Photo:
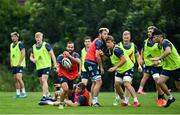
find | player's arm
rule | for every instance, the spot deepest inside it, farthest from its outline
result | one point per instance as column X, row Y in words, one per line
column 23, row 53
column 119, row 53
column 51, row 52
column 99, row 45
column 75, row 58
column 99, row 61
column 139, row 59
column 167, row 50
column 70, row 103
column 32, row 56
column 53, row 58
column 10, row 58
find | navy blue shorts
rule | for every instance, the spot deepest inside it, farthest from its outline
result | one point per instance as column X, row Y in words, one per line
column 129, row 72
column 84, row 75
column 62, row 79
column 175, row 74
column 16, row 70
column 152, row 70
column 92, row 69
column 44, row 71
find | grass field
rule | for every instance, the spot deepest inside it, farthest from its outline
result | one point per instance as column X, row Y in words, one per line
column 29, row 105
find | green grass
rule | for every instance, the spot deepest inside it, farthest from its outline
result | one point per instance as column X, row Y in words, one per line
column 29, row 105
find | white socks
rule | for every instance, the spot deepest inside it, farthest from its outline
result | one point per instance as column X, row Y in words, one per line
column 135, row 99
column 95, row 100
column 140, row 88
column 17, row 91
column 23, row 91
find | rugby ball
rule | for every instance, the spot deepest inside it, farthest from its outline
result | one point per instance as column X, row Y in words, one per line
column 66, row 63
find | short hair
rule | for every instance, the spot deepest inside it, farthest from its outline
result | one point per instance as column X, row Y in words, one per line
column 151, row 27
column 38, row 33
column 81, row 85
column 15, row 33
column 126, row 31
column 109, row 37
column 157, row 32
column 87, row 37
column 103, row 29
column 70, row 42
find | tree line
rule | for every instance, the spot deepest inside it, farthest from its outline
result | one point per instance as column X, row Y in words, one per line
column 64, row 20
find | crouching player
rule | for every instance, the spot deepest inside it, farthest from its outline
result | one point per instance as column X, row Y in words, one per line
column 80, row 98
column 123, row 67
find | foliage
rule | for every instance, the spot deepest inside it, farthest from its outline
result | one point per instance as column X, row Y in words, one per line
column 64, row 20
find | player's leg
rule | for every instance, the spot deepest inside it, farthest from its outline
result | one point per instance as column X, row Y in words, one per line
column 84, row 77
column 17, row 85
column 97, row 86
column 161, row 99
column 21, row 82
column 142, row 83
column 119, row 93
column 127, row 83
column 177, row 84
column 162, row 83
column 45, row 84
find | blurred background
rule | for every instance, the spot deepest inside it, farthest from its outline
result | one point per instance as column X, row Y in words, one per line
column 64, row 20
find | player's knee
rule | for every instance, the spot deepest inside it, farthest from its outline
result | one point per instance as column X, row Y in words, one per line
column 127, row 84
column 160, row 81
column 116, row 84
column 99, row 82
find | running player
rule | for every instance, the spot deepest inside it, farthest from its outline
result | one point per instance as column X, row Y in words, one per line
column 171, row 63
column 150, row 50
column 123, row 68
column 131, row 50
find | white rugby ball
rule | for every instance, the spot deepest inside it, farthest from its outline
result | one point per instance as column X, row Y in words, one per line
column 66, row 63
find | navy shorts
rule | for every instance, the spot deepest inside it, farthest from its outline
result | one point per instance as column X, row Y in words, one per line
column 92, row 70
column 152, row 70
column 84, row 75
column 129, row 72
column 16, row 70
column 63, row 79
column 44, row 71
column 175, row 74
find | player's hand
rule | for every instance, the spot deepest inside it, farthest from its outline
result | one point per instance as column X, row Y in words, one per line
column 18, row 64
column 33, row 60
column 156, row 62
column 155, row 59
column 140, row 69
column 112, row 69
column 79, row 74
column 101, row 53
column 66, row 53
column 102, row 70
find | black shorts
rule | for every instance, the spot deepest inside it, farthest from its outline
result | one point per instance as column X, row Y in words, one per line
column 92, row 69
column 63, row 79
column 175, row 74
column 44, row 71
column 16, row 70
column 84, row 75
column 152, row 70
